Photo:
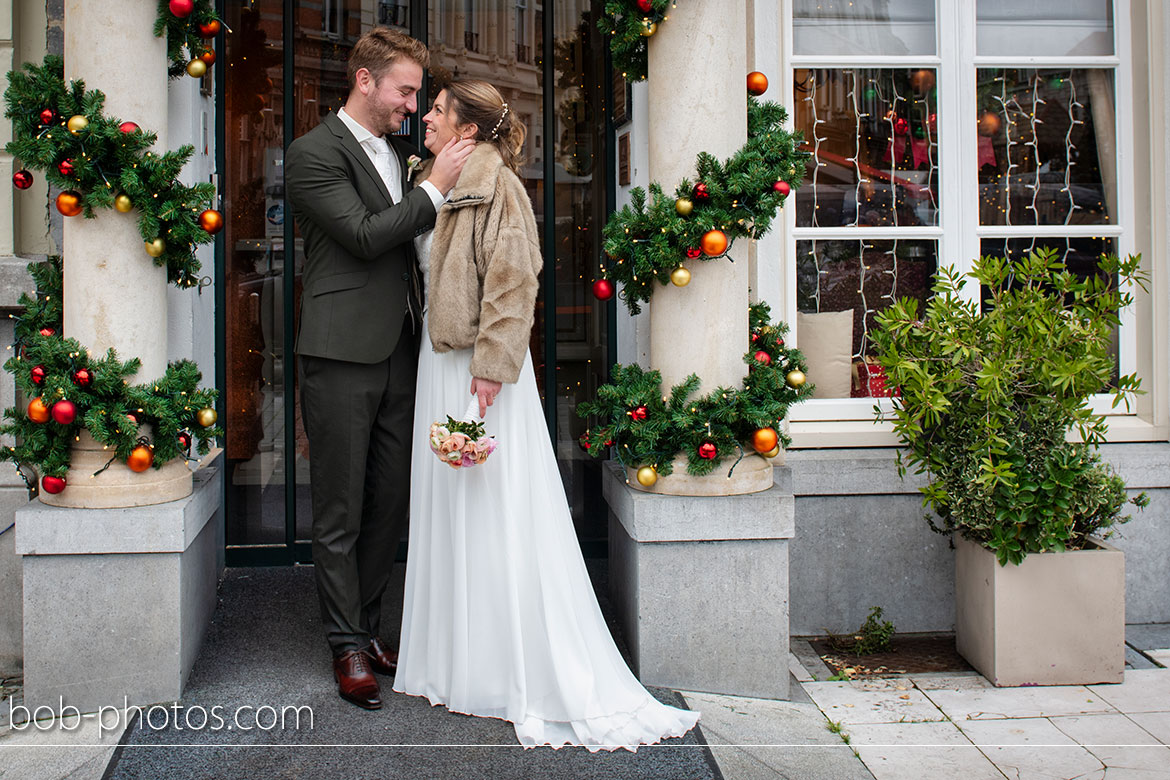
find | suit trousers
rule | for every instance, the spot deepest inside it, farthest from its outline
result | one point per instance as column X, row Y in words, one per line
column 359, row 420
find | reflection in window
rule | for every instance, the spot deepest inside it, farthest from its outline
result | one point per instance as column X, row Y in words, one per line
column 1081, row 256
column 1068, row 28
column 872, row 134
column 844, row 284
column 1046, row 150
column 876, row 27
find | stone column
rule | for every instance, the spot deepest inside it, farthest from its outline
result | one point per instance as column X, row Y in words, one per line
column 698, row 102
column 115, row 296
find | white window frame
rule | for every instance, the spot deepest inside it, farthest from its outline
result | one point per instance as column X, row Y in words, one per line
column 850, row 421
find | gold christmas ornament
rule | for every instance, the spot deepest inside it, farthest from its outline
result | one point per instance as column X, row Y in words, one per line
column 77, row 123
column 684, row 207
column 680, row 277
column 795, row 378
column 123, row 203
column 772, row 452
column 647, row 476
column 206, row 417
column 648, row 29
column 196, row 68
column 156, row 248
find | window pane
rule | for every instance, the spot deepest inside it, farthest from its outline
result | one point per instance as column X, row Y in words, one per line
column 1044, row 28
column 872, row 136
column 1080, row 255
column 861, row 277
column 1046, row 150
column 872, row 26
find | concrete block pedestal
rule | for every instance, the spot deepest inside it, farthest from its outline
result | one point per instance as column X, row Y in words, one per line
column 700, row 584
column 116, row 601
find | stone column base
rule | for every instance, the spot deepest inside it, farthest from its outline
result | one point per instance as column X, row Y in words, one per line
column 116, row 601
column 700, row 585
column 116, row 485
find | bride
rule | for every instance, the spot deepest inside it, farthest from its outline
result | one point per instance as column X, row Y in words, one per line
column 500, row 619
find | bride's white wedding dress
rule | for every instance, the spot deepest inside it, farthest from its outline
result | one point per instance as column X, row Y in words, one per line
column 500, row 619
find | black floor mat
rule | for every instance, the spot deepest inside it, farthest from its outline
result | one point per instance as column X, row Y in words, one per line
column 265, row 649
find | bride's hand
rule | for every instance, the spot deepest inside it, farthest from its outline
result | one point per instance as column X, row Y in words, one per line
column 486, row 390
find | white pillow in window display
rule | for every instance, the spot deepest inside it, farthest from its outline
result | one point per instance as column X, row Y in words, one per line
column 826, row 340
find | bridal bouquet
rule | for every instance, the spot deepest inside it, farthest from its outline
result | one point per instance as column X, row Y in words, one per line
column 462, row 443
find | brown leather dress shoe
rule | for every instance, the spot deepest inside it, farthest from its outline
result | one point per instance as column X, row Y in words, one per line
column 382, row 658
column 355, row 682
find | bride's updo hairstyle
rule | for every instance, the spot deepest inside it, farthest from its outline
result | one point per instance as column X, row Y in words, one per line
column 481, row 103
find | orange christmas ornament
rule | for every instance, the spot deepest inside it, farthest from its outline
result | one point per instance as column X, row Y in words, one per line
column 757, row 83
column 208, row 56
column 37, row 411
column 714, row 243
column 989, row 123
column 764, row 439
column 69, row 203
column 141, row 458
column 211, row 221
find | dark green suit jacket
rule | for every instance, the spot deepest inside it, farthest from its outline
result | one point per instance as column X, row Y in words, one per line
column 360, row 275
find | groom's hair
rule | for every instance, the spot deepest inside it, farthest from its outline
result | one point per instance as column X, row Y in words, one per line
column 380, row 48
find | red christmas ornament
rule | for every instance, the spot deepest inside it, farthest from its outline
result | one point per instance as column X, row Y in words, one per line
column 64, row 411
column 932, row 121
column 129, row 127
column 701, row 193
column 765, row 358
column 208, row 56
column 184, row 440
column 584, row 444
column 48, row 116
column 181, row 8
column 603, row 289
column 38, row 374
column 693, row 252
column 901, row 126
column 52, row 484
column 707, row 450
column 46, row 332
column 639, row 413
column 133, row 418
column 82, row 377
column 209, row 29
column 645, row 6
column 22, row 179
column 783, row 188
column 65, row 167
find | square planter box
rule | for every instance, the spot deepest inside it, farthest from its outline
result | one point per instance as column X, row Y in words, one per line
column 1056, row 619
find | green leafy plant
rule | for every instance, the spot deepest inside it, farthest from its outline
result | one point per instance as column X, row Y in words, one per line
column 990, row 395
column 875, row 634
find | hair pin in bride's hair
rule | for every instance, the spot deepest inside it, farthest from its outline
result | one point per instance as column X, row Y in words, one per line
column 496, row 129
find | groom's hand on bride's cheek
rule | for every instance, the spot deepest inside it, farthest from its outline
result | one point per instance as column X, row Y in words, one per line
column 449, row 163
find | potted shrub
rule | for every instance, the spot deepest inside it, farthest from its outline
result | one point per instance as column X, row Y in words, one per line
column 994, row 409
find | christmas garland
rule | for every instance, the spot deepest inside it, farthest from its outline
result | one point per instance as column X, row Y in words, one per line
column 72, row 390
column 649, row 240
column 187, row 24
column 101, row 162
column 629, row 23
column 647, row 429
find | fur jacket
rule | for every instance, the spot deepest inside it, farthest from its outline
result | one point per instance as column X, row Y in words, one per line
column 484, row 262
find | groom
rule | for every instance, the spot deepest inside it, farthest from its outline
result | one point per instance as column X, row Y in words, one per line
column 358, row 338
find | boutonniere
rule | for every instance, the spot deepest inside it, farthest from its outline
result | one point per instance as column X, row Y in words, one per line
column 412, row 164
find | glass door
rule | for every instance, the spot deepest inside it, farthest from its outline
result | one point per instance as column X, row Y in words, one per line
column 274, row 93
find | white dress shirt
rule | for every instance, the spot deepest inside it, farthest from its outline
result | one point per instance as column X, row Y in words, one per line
column 385, row 161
